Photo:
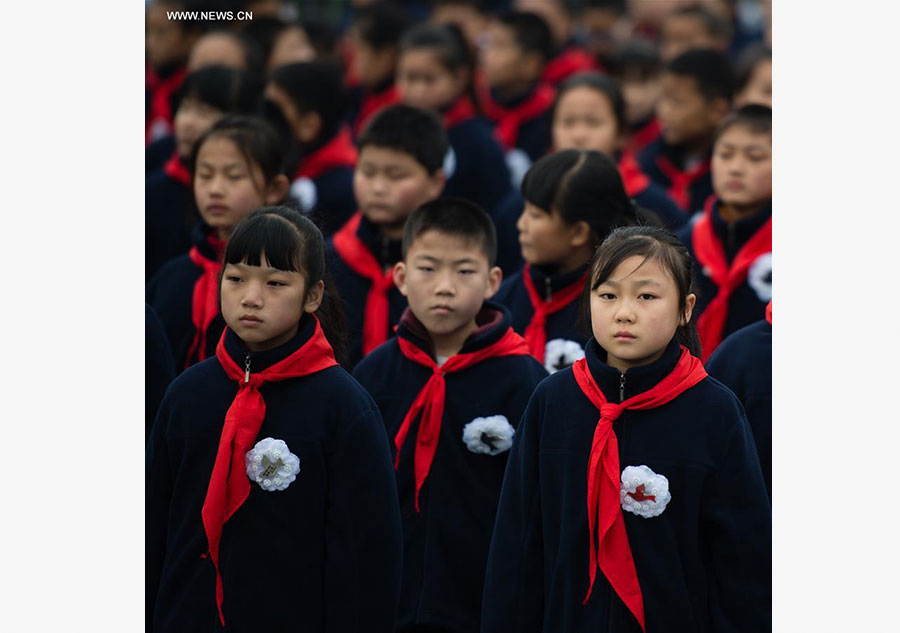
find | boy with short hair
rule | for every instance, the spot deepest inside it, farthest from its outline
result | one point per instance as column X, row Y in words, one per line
column 451, row 388
column 511, row 93
column 731, row 241
column 636, row 64
column 696, row 94
column 694, row 26
column 399, row 168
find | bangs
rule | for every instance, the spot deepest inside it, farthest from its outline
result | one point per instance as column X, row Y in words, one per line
column 263, row 235
column 641, row 246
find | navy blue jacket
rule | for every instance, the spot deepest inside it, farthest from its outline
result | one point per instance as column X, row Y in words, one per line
column 743, row 362
column 321, row 555
column 479, row 171
column 659, row 151
column 159, row 367
column 749, row 300
column 703, row 565
column 333, row 197
column 654, row 199
column 353, row 288
column 158, row 152
column 446, row 544
column 171, row 292
column 560, row 325
column 170, row 214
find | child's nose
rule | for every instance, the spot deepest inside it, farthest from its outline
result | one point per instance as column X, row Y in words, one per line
column 252, row 296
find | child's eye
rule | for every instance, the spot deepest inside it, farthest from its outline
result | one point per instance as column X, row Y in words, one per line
column 646, row 296
column 466, row 272
column 233, row 278
column 235, row 176
column 426, row 269
column 608, row 296
column 276, row 283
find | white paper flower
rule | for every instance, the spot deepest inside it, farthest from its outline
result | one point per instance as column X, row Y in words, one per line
column 272, row 465
column 304, row 191
column 489, row 436
column 643, row 492
column 560, row 353
column 759, row 277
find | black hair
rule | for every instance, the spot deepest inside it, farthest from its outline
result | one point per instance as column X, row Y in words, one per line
column 291, row 242
column 581, row 186
column 530, row 32
column 255, row 139
column 252, row 54
column 756, row 117
column 381, row 25
column 713, row 23
column 607, row 86
column 619, row 7
column 225, row 89
column 314, row 86
column 262, row 31
column 410, row 130
column 453, row 216
column 747, row 63
column 479, row 5
column 710, row 69
column 445, row 40
column 636, row 59
column 321, row 35
column 653, row 244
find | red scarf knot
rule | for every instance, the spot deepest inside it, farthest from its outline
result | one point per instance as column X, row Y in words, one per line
column 372, row 103
column 229, row 486
column 633, row 178
column 507, row 121
column 461, row 111
column 609, row 548
column 176, row 170
column 710, row 253
column 338, row 152
column 430, row 399
column 680, row 188
column 536, row 332
column 204, row 298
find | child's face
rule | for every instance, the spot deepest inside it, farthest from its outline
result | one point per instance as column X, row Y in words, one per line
column 167, row 41
column 641, row 97
column 634, row 313
column 742, row 167
column 685, row 115
column 226, row 188
column 425, row 82
column 217, row 49
column 192, row 119
column 390, row 184
column 263, row 305
column 545, row 239
column 683, row 32
column 759, row 88
column 446, row 279
column 501, row 57
column 584, row 119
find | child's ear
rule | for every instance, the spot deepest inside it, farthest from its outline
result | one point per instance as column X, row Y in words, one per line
column 277, row 189
column 309, row 126
column 436, row 182
column 400, row 277
column 495, row 277
column 314, row 297
column 688, row 309
column 580, row 234
column 718, row 108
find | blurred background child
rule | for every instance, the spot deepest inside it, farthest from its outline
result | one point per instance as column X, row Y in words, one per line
column 567, row 56
column 753, row 76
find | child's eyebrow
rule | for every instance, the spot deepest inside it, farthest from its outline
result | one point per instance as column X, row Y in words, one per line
column 639, row 282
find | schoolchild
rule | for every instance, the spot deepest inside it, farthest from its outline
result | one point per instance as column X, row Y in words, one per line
column 400, row 167
column 511, row 93
column 636, row 65
column 600, row 26
column 693, row 26
column 304, row 41
column 236, row 169
column 573, row 199
column 696, row 96
column 633, row 499
column 568, row 56
column 271, row 504
column 753, row 77
column 451, row 387
column 308, row 98
column 470, row 16
column 589, row 113
column 222, row 47
column 743, row 363
column 374, row 36
column 205, row 97
column 732, row 239
column 435, row 73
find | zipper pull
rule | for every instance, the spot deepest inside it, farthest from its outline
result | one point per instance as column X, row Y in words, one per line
column 247, row 368
column 549, row 288
column 621, row 387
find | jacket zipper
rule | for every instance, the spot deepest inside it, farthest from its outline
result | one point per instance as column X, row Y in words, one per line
column 549, row 289
column 621, row 388
column 247, row 368
column 731, row 236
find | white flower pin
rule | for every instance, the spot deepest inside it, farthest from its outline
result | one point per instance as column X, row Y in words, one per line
column 489, row 436
column 272, row 465
column 643, row 492
column 560, row 353
column 759, row 276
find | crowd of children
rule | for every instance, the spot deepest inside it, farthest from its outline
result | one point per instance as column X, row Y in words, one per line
column 459, row 317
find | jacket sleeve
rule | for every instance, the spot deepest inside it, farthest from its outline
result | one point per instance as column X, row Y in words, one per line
column 737, row 533
column 514, row 582
column 157, row 494
column 363, row 536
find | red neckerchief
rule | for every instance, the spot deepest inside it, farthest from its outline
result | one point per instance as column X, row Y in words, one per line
column 507, row 121
column 361, row 261
column 769, row 313
column 610, row 549
column 633, row 178
column 228, row 483
column 710, row 254
column 205, row 297
column 644, row 136
column 176, row 170
column 461, row 111
column 160, row 99
column 372, row 103
column 680, row 188
column 338, row 152
column 536, row 332
column 573, row 59
column 430, row 400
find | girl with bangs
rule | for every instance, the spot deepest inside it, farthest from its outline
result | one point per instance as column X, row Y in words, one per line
column 271, row 502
